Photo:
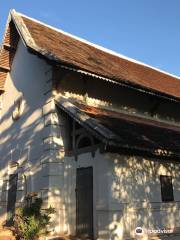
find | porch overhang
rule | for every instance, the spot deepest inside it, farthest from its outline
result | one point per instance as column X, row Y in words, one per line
column 123, row 132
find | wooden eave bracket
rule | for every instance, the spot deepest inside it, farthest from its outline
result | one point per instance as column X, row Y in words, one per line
column 9, row 47
column 4, row 69
column 87, row 121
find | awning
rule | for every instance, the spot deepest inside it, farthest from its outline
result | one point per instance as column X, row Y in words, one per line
column 124, row 131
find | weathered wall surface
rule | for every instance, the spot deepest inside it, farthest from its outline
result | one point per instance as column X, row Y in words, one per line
column 127, row 194
column 135, row 194
column 99, row 93
column 127, row 191
column 22, row 140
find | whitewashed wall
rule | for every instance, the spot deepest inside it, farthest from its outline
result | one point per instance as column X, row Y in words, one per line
column 127, row 194
column 126, row 190
column 22, row 140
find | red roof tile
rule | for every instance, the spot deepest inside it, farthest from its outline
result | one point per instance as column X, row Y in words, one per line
column 72, row 51
column 103, row 113
column 125, row 131
column 69, row 50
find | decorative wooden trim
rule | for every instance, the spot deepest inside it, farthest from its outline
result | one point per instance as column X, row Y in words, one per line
column 81, row 131
column 4, row 69
column 9, row 47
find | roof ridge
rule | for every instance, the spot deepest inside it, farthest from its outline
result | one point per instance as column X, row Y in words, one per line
column 22, row 29
column 104, row 49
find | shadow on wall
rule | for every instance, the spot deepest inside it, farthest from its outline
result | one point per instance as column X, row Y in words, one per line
column 22, row 145
column 135, row 199
column 134, row 182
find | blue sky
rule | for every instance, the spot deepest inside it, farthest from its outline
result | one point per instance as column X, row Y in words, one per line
column 147, row 30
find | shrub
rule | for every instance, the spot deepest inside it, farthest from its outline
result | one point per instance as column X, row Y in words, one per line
column 31, row 221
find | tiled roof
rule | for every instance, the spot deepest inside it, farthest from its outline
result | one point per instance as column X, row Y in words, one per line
column 7, row 52
column 64, row 48
column 126, row 132
column 87, row 57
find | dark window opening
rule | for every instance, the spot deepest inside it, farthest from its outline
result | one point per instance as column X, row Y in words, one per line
column 83, row 138
column 166, row 188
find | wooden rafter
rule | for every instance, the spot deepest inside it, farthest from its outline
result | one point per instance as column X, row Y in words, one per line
column 4, row 69
column 9, row 47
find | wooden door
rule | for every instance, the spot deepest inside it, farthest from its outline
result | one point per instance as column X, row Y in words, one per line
column 84, row 202
column 11, row 198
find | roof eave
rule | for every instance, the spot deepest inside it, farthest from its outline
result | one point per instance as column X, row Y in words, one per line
column 123, row 82
column 32, row 46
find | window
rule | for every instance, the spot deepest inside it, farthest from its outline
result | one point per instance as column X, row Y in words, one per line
column 166, row 188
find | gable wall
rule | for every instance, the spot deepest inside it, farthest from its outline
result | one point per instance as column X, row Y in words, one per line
column 21, row 140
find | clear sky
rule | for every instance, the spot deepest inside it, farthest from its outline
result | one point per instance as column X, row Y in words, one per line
column 146, row 30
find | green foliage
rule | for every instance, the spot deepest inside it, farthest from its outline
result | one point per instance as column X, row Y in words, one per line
column 30, row 221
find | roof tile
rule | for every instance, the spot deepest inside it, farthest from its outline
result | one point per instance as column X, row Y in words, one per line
column 77, row 53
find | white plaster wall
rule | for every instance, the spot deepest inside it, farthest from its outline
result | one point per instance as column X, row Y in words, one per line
column 126, row 189
column 135, row 194
column 22, row 140
column 127, row 194
column 100, row 186
column 113, row 97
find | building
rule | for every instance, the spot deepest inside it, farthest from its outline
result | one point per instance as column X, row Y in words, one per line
column 94, row 133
